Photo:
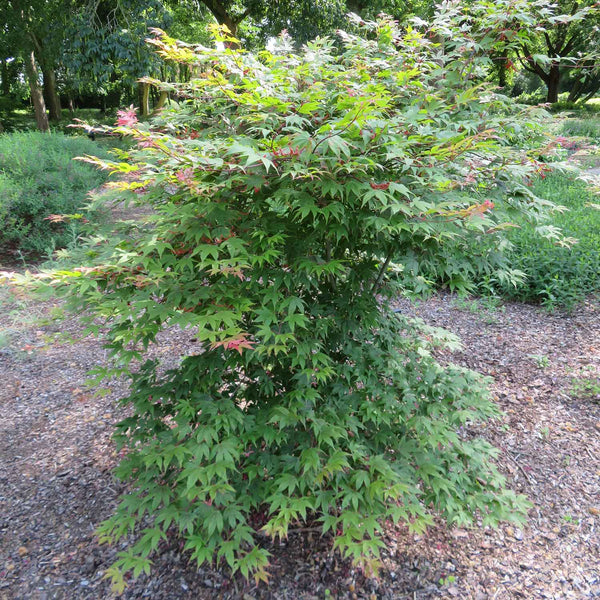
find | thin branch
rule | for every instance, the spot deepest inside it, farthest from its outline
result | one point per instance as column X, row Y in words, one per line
column 520, row 467
column 381, row 273
column 531, row 66
column 569, row 46
column 334, row 133
column 549, row 43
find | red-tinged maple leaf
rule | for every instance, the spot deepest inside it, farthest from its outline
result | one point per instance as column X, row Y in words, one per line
column 237, row 343
column 127, row 117
column 479, row 209
column 471, row 211
column 380, row 186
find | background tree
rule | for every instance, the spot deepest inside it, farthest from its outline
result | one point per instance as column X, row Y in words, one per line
column 17, row 33
column 584, row 80
column 33, row 29
column 566, row 32
column 95, row 50
column 104, row 47
column 398, row 9
column 255, row 21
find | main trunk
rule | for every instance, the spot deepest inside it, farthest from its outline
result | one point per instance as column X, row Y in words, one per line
column 553, row 84
column 37, row 97
column 51, row 96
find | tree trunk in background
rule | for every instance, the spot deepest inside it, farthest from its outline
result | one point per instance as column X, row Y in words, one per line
column 5, row 79
column 37, row 97
column 502, row 71
column 222, row 15
column 51, row 96
column 144, row 96
column 553, row 83
column 231, row 25
column 162, row 100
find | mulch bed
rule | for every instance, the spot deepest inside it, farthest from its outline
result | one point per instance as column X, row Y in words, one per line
column 56, row 485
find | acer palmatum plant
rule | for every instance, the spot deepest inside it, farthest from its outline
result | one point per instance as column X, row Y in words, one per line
column 282, row 185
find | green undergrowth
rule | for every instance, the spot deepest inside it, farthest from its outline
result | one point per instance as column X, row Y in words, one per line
column 587, row 126
column 558, row 276
column 586, row 388
column 529, row 267
column 39, row 178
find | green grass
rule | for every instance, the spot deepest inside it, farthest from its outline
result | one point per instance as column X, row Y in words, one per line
column 38, row 178
column 22, row 119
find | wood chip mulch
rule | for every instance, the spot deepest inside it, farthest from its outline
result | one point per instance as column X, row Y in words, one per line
column 56, row 485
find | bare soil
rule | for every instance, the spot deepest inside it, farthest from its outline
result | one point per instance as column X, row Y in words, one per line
column 56, row 458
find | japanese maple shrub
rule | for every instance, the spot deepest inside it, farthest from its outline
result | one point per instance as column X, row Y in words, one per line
column 281, row 188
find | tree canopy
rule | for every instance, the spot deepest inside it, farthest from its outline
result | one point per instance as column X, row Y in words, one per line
column 567, row 38
column 95, row 51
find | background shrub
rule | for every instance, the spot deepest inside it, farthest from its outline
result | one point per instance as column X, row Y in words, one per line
column 588, row 127
column 558, row 275
column 38, row 177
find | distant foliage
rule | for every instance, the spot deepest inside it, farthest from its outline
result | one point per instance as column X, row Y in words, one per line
column 39, row 178
column 282, row 188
